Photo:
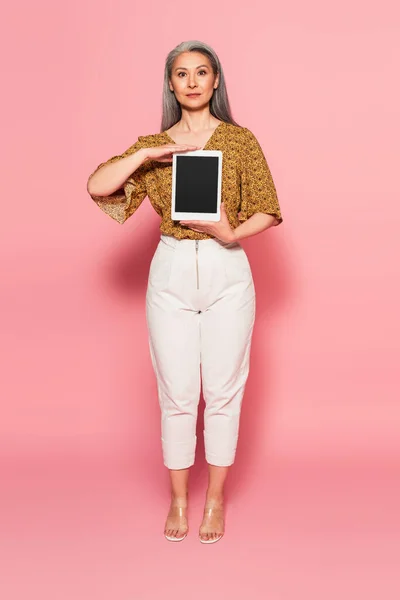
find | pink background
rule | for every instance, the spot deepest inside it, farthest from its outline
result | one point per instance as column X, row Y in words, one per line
column 312, row 495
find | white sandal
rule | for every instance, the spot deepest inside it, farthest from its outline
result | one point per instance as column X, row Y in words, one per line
column 175, row 539
column 210, row 510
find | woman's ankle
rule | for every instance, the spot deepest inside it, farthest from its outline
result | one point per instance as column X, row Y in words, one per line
column 179, row 499
column 214, row 497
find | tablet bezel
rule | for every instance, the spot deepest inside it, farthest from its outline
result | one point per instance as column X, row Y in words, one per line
column 193, row 216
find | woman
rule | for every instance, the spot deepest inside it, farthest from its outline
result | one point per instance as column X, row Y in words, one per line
column 200, row 301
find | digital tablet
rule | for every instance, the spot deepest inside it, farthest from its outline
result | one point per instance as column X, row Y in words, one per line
column 196, row 185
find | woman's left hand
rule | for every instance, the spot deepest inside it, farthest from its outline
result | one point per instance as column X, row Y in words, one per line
column 220, row 229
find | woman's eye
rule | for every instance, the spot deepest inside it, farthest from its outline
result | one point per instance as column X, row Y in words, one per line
column 182, row 73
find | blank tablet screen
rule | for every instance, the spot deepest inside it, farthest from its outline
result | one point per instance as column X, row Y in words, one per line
column 196, row 184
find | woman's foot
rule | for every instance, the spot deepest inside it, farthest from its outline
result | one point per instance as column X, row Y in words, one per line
column 176, row 525
column 213, row 525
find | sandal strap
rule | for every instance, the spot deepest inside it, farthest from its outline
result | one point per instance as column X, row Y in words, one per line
column 210, row 509
column 180, row 509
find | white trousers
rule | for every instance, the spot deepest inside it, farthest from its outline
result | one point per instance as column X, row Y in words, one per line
column 200, row 311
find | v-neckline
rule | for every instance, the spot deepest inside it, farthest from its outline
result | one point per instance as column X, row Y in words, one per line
column 207, row 142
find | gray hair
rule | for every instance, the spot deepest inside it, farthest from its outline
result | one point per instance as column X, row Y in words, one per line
column 219, row 103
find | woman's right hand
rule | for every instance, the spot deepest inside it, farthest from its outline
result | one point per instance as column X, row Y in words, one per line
column 165, row 152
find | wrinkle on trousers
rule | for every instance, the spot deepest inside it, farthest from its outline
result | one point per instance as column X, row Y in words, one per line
column 200, row 311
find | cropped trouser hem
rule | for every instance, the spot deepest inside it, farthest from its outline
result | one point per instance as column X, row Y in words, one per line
column 218, row 461
column 179, row 455
column 220, row 452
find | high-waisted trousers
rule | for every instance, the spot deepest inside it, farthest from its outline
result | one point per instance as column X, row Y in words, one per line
column 200, row 312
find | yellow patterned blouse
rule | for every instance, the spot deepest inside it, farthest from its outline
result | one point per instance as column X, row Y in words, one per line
column 247, row 184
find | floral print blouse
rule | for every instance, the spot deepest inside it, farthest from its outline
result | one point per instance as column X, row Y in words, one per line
column 247, row 184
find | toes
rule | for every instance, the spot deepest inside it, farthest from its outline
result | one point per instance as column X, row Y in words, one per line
column 171, row 532
column 210, row 536
column 182, row 532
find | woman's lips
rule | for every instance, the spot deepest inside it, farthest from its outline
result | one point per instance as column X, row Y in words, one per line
column 192, row 95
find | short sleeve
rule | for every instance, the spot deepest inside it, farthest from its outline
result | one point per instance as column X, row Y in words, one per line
column 258, row 193
column 122, row 203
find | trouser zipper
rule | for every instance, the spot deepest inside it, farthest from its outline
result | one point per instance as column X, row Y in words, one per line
column 197, row 262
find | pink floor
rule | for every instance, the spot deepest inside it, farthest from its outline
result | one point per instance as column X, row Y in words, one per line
column 293, row 531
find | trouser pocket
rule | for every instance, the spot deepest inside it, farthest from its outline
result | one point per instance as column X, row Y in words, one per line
column 161, row 265
column 236, row 265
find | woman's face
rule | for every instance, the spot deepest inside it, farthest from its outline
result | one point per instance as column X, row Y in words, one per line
column 192, row 74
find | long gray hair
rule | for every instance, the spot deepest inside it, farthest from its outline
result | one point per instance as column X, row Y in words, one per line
column 219, row 103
